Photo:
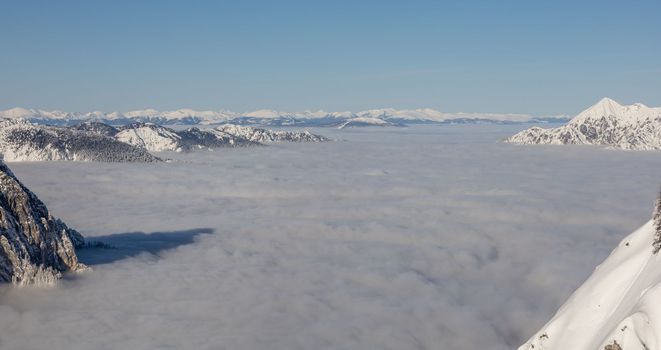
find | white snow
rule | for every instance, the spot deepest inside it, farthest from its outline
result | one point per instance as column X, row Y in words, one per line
column 191, row 116
column 618, row 303
column 364, row 121
column 607, row 123
column 631, row 115
column 151, row 137
column 265, row 135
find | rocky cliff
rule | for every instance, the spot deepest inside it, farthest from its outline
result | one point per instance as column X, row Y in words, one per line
column 35, row 247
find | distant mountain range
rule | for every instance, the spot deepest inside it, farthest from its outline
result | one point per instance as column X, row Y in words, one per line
column 21, row 140
column 607, row 123
column 267, row 117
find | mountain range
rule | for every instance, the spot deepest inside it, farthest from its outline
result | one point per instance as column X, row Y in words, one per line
column 607, row 123
column 21, row 140
column 267, row 117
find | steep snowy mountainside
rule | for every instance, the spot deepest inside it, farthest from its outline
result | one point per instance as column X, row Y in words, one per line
column 618, row 306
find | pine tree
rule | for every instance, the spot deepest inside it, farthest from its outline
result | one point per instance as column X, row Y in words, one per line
column 657, row 225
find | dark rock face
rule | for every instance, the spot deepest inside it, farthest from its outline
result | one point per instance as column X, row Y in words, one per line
column 35, row 248
column 614, row 346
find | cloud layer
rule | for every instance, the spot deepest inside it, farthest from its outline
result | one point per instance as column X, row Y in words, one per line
column 424, row 237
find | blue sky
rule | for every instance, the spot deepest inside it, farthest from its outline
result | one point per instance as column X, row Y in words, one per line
column 537, row 57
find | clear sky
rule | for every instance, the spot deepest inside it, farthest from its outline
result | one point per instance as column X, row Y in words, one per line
column 537, row 57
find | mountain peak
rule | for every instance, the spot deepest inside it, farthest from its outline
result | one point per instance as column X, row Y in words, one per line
column 604, row 108
column 606, row 104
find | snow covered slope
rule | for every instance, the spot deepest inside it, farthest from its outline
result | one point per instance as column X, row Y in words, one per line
column 618, row 306
column 152, row 137
column 157, row 138
column 265, row 136
column 634, row 127
column 24, row 141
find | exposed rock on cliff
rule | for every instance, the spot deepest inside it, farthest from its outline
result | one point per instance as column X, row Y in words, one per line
column 35, row 247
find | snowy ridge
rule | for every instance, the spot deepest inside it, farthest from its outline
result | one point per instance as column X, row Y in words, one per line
column 157, row 138
column 23, row 141
column 265, row 136
column 95, row 141
column 366, row 121
column 96, row 128
column 608, row 123
column 618, row 306
column 268, row 117
column 151, row 137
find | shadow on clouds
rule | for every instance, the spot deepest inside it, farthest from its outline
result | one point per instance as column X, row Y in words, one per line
column 108, row 249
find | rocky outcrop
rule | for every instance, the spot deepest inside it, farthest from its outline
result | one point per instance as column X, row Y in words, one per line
column 35, row 247
column 607, row 123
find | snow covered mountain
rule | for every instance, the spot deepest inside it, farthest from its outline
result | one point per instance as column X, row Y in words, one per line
column 618, row 306
column 268, row 117
column 35, row 247
column 265, row 136
column 157, row 138
column 97, row 128
column 608, row 123
column 95, row 141
column 366, row 121
column 23, row 141
column 152, row 137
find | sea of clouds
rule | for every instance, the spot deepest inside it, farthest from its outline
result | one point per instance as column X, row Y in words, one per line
column 429, row 237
